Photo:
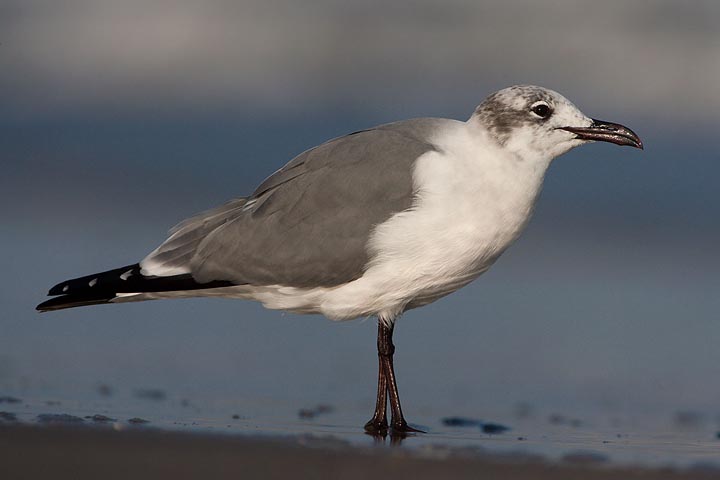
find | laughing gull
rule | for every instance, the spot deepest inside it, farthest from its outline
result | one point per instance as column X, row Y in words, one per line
column 370, row 224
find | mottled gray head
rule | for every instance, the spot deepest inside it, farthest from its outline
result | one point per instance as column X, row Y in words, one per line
column 536, row 121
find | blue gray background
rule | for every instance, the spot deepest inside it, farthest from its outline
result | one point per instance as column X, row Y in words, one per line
column 119, row 119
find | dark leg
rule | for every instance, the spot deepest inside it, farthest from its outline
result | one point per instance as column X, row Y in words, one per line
column 398, row 424
column 387, row 387
column 378, row 423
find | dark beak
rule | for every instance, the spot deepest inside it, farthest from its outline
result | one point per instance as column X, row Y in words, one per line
column 602, row 131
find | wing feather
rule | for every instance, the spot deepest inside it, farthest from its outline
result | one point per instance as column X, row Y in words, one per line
column 309, row 223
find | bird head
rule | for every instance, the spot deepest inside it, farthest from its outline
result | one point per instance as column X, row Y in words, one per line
column 537, row 122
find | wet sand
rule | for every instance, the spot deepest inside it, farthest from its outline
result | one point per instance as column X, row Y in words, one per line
column 66, row 452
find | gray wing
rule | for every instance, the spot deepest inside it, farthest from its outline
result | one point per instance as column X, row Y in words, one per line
column 308, row 224
column 174, row 255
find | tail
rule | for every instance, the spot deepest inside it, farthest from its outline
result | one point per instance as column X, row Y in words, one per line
column 104, row 287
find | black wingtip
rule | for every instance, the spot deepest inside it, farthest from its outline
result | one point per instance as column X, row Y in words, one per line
column 99, row 281
column 101, row 288
column 57, row 289
column 70, row 301
column 93, row 289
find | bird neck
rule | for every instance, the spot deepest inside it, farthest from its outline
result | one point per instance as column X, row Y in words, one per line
column 511, row 155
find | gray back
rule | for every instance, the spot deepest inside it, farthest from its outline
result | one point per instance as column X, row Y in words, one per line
column 309, row 223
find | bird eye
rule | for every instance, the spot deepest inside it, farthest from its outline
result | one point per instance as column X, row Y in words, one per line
column 542, row 110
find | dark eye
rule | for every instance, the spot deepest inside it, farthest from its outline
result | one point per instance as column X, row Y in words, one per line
column 542, row 110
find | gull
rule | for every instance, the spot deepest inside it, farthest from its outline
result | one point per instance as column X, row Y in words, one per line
column 373, row 223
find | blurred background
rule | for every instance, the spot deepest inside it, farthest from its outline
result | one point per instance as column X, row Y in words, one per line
column 120, row 118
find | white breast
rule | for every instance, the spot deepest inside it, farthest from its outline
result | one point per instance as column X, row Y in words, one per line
column 473, row 200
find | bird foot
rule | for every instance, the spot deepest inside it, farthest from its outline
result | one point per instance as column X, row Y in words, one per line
column 402, row 428
column 377, row 426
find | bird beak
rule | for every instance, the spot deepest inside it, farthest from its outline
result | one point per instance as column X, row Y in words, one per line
column 603, row 131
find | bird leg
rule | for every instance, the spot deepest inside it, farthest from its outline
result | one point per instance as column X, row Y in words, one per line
column 398, row 423
column 378, row 424
column 387, row 387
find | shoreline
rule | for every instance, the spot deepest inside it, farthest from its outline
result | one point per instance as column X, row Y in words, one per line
column 30, row 451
